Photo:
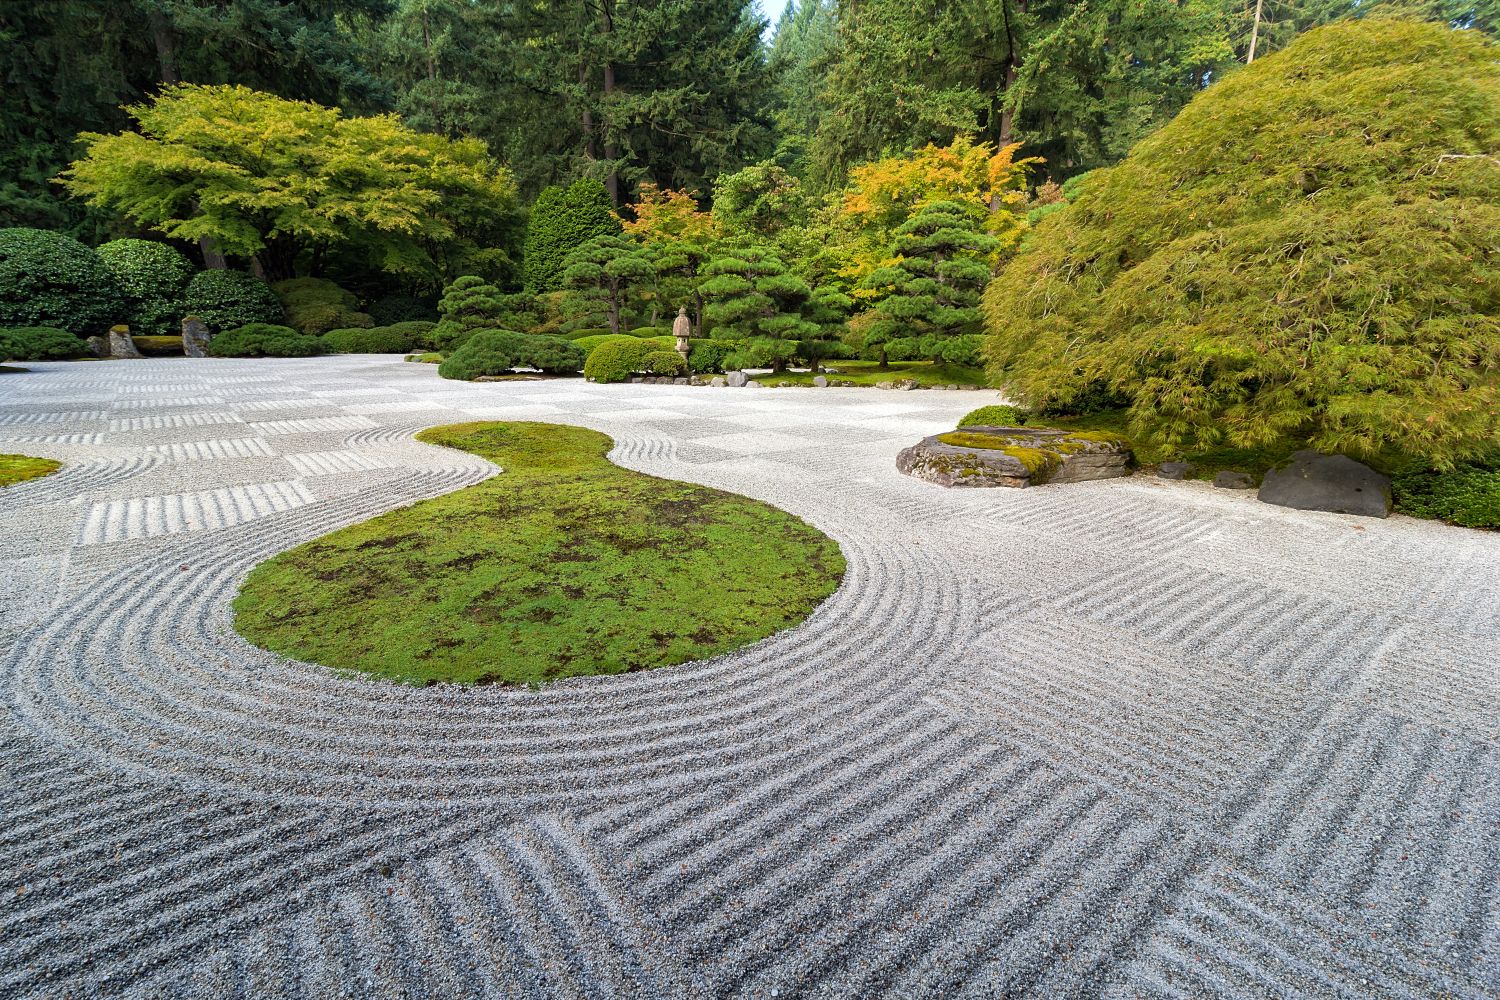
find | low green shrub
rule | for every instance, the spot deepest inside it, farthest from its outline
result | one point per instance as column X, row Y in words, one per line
column 159, row 347
column 994, row 416
column 707, row 356
column 390, row 310
column 590, row 332
column 589, row 343
column 1469, row 495
column 263, row 340
column 645, row 332
column 493, row 352
column 665, row 363
column 317, row 305
column 153, row 276
column 39, row 343
column 617, row 359
column 51, row 280
column 371, row 340
column 430, row 358
column 228, row 300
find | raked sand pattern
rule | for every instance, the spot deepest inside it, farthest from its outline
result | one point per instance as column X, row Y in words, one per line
column 1122, row 739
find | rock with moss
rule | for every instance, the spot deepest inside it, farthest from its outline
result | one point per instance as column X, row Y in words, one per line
column 1016, row 457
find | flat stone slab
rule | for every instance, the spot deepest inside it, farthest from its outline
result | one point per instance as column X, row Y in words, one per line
column 1334, row 483
column 1016, row 457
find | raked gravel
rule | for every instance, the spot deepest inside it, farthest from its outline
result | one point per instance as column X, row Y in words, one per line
column 1121, row 739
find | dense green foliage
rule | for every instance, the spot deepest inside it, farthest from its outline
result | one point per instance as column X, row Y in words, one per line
column 754, row 298
column 1306, row 253
column 562, row 220
column 275, row 180
column 618, row 359
column 48, row 279
column 152, row 276
column 317, row 305
column 39, row 343
column 228, row 299
column 665, row 363
column 19, row 468
column 1468, row 495
column 494, row 352
column 562, row 565
column 264, row 340
column 993, row 416
column 468, row 304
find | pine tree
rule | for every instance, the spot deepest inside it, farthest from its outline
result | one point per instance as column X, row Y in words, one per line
column 753, row 297
column 935, row 284
column 599, row 276
column 562, row 220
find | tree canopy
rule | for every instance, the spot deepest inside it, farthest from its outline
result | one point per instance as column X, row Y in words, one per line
column 1306, row 253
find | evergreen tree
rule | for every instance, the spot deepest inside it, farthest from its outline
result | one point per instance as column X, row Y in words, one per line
column 935, row 284
column 753, row 297
column 801, row 54
column 468, row 304
column 679, row 238
column 562, row 220
column 599, row 275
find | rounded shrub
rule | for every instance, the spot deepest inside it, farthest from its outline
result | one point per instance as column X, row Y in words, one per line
column 617, row 360
column 651, row 331
column 1305, row 255
column 317, row 305
column 994, row 416
column 152, row 276
column 665, row 363
column 39, row 343
column 494, row 352
column 226, row 300
column 369, row 340
column 51, row 280
column 707, row 356
column 264, row 340
column 592, row 331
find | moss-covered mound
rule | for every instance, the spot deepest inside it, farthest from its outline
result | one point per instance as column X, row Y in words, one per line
column 1305, row 255
column 564, row 564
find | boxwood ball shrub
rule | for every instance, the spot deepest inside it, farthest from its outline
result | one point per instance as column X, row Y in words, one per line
column 617, row 360
column 226, row 300
column 666, row 363
column 51, row 280
column 39, row 343
column 152, row 276
column 264, row 340
column 494, row 352
column 1306, row 255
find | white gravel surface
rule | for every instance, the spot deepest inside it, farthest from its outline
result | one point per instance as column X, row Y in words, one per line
column 1118, row 739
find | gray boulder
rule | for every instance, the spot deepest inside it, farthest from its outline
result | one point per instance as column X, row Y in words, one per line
column 195, row 337
column 1335, row 483
column 98, row 347
column 717, row 382
column 1175, row 470
column 1015, row 456
column 1227, row 480
column 737, row 379
column 752, row 384
column 120, row 344
column 820, row 381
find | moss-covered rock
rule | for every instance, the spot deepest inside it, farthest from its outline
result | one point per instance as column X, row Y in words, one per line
column 1016, row 457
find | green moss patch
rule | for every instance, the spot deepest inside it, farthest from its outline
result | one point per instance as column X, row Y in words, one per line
column 19, row 468
column 563, row 565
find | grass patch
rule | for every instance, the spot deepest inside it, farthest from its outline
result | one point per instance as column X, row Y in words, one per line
column 563, row 565
column 868, row 373
column 19, row 468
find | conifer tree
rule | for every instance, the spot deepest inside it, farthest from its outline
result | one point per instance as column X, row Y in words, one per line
column 600, row 275
column 562, row 220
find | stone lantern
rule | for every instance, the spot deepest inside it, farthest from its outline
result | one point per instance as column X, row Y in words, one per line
column 682, row 329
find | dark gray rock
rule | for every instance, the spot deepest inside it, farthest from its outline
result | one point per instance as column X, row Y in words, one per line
column 195, row 337
column 1335, row 483
column 120, row 343
column 680, row 380
column 98, row 346
column 736, row 379
column 1227, row 480
column 1175, row 470
column 1015, row 456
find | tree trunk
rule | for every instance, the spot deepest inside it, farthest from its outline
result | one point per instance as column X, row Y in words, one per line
column 166, row 46
column 698, row 313
column 612, row 179
column 213, row 260
column 614, row 312
column 1255, row 31
column 885, row 362
column 1012, row 62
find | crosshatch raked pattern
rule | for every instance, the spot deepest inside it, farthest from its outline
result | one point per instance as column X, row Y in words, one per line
column 1124, row 739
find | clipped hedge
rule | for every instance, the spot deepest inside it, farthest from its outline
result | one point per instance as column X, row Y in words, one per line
column 590, row 343
column 51, row 280
column 617, row 360
column 398, row 339
column 646, row 332
column 994, row 416
column 39, row 343
column 665, row 363
column 153, row 277
column 494, row 352
column 591, row 332
column 227, row 300
column 264, row 340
